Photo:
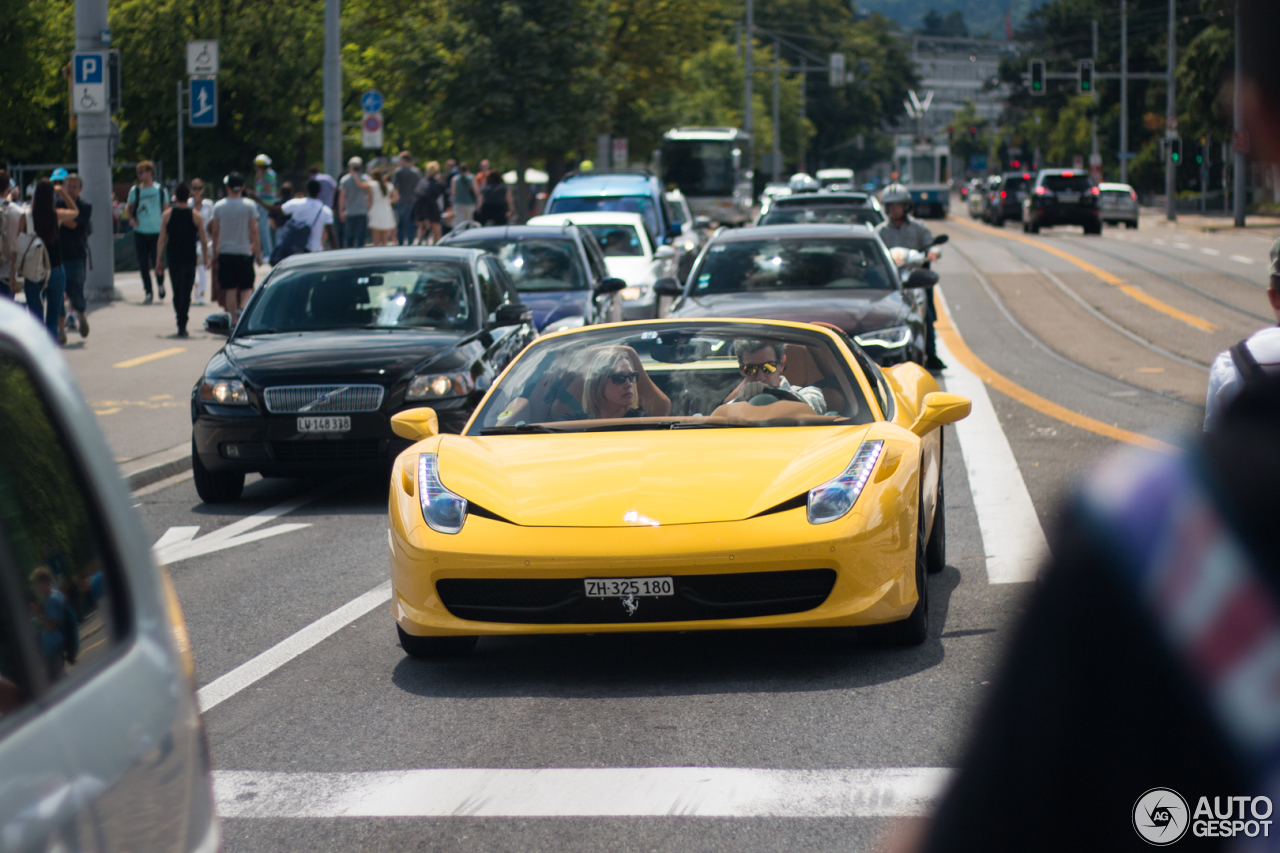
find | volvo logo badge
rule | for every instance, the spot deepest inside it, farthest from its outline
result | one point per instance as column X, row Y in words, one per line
column 323, row 398
column 630, row 604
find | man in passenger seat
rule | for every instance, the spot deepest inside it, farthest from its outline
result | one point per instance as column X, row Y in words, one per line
column 764, row 361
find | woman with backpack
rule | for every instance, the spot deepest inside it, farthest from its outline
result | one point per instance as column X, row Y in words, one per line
column 496, row 206
column 40, row 251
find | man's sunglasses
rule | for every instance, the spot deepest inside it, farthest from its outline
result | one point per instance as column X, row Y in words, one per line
column 769, row 367
column 624, row 378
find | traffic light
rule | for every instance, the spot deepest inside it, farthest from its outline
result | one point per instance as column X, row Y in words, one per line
column 1085, row 71
column 1035, row 68
column 973, row 133
column 1175, row 150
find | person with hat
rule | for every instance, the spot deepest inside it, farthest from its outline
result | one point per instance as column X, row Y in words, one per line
column 357, row 196
column 236, row 244
column 266, row 193
column 902, row 229
column 1253, row 359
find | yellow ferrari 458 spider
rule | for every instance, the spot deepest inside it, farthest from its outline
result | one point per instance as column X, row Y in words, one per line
column 673, row 476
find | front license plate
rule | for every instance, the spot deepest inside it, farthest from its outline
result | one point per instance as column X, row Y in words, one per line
column 623, row 587
column 332, row 423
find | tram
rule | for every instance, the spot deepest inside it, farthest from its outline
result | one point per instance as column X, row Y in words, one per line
column 923, row 164
column 712, row 166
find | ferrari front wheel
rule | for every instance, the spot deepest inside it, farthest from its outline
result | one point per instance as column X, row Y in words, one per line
column 435, row 648
column 913, row 630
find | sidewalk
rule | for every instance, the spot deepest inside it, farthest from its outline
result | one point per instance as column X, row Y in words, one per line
column 1211, row 222
column 137, row 377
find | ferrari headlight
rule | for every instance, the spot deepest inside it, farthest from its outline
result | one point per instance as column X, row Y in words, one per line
column 574, row 322
column 834, row 499
column 894, row 336
column 431, row 385
column 224, row 392
column 631, row 294
column 442, row 510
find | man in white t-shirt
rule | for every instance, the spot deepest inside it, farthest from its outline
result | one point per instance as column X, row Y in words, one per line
column 10, row 217
column 1255, row 357
column 311, row 209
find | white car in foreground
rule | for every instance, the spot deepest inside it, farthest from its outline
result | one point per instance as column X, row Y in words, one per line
column 629, row 253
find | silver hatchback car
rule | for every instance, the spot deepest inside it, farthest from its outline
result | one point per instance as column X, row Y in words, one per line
column 1118, row 203
column 101, row 744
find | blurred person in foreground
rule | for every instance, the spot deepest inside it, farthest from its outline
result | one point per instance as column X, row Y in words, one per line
column 1139, row 703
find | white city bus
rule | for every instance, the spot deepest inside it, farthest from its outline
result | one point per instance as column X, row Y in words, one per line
column 712, row 166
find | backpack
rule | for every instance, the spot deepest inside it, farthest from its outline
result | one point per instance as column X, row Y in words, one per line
column 1250, row 370
column 292, row 237
column 70, row 628
column 33, row 257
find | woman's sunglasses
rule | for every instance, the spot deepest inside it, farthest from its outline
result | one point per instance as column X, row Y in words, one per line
column 752, row 369
column 624, row 378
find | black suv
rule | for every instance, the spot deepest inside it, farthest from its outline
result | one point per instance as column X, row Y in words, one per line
column 1005, row 200
column 1062, row 197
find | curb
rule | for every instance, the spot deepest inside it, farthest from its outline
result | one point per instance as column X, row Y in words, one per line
column 156, row 473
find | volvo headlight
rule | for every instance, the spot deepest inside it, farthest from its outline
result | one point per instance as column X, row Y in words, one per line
column 894, row 336
column 224, row 392
column 428, row 386
column 574, row 322
column 834, row 499
column 631, row 294
column 442, row 510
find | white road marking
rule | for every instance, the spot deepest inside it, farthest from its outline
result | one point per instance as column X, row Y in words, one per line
column 180, row 543
column 582, row 792
column 1158, row 241
column 1241, row 259
column 1012, row 537
column 1182, row 245
column 225, row 686
column 1211, row 251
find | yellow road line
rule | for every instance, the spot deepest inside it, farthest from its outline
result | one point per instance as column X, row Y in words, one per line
column 1132, row 291
column 143, row 359
column 950, row 335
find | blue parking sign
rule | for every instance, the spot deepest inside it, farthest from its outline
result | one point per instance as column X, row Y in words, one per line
column 204, row 102
column 88, row 69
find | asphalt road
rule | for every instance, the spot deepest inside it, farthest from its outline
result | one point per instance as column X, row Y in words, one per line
column 1116, row 331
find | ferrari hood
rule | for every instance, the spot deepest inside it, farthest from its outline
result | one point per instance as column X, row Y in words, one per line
column 654, row 477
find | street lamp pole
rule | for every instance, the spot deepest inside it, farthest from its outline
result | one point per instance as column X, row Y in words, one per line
column 1124, row 92
column 747, row 124
column 777, row 115
column 1238, row 170
column 1170, row 123
column 332, row 89
column 93, row 155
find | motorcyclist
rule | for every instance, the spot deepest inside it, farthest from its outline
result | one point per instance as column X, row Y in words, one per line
column 901, row 229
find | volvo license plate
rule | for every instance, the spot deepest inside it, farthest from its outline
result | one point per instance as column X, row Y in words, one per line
column 325, row 423
column 626, row 587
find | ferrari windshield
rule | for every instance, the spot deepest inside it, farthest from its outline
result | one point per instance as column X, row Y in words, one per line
column 536, row 264
column 418, row 294
column 667, row 376
column 799, row 263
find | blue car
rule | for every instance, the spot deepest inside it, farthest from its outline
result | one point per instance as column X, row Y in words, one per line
column 619, row 191
column 559, row 272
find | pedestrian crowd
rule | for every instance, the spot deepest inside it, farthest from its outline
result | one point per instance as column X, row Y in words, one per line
column 211, row 250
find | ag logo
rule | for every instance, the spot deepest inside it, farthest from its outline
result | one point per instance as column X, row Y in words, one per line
column 1160, row 816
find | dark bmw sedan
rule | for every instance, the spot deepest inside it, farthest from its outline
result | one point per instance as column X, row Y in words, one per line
column 558, row 270
column 836, row 274
column 333, row 344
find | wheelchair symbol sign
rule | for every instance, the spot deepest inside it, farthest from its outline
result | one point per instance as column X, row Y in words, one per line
column 89, row 86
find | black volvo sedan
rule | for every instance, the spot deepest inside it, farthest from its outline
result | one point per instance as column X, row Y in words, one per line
column 333, row 344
